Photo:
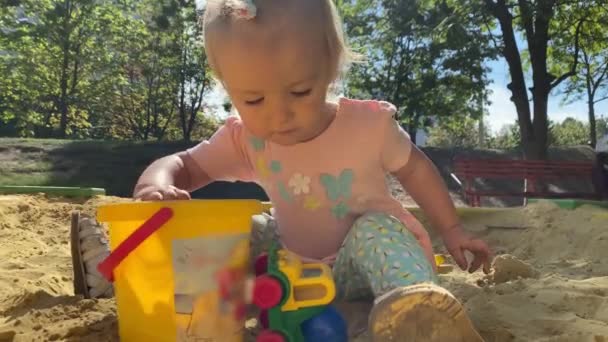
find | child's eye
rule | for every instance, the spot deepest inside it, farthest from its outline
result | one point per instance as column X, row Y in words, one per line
column 255, row 102
column 301, row 93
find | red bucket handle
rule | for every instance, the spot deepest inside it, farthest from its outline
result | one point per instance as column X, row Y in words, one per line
column 106, row 267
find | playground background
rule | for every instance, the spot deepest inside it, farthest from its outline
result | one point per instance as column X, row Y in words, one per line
column 550, row 281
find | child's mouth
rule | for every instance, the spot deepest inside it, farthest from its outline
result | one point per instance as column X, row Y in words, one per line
column 286, row 131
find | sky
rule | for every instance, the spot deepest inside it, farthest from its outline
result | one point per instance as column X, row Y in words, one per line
column 501, row 110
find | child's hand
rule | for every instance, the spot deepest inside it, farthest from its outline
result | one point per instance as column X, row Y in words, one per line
column 160, row 193
column 457, row 241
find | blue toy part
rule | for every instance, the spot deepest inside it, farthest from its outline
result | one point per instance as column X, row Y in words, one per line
column 326, row 326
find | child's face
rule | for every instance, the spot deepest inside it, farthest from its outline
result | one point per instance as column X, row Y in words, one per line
column 277, row 79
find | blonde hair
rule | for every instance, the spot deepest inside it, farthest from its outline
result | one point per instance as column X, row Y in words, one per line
column 220, row 13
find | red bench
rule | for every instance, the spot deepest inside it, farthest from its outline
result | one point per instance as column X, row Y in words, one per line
column 467, row 171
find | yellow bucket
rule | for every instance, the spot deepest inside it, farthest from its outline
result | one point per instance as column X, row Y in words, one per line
column 179, row 268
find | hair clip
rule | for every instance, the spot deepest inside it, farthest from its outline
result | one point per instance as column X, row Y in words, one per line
column 240, row 9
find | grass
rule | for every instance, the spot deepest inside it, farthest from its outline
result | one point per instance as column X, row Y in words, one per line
column 116, row 166
column 33, row 178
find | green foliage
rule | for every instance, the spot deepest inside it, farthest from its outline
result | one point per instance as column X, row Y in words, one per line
column 552, row 32
column 424, row 56
column 60, row 56
column 570, row 132
column 602, row 126
column 103, row 69
column 136, row 69
column 508, row 137
column 590, row 80
column 455, row 131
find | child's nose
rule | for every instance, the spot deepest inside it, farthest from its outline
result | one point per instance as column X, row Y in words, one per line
column 281, row 113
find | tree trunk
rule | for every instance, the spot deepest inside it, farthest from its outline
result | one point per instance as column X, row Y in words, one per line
column 518, row 83
column 534, row 137
column 482, row 128
column 592, row 123
column 537, row 44
column 412, row 128
column 590, row 100
column 63, row 82
column 182, row 96
column 149, row 107
column 538, row 142
column 412, row 133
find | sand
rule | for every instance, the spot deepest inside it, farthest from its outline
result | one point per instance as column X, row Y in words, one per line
column 550, row 280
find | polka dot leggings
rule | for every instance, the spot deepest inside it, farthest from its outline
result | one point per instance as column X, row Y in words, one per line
column 378, row 255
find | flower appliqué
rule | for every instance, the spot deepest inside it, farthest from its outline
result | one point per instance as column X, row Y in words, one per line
column 300, row 184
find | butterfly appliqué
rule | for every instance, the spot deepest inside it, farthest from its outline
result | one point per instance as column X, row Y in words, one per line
column 338, row 188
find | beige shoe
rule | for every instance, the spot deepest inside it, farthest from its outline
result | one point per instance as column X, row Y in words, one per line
column 89, row 248
column 420, row 313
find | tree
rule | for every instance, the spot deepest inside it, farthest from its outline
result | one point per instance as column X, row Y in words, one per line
column 569, row 132
column 120, row 69
column 26, row 80
column 423, row 56
column 540, row 22
column 591, row 80
column 167, row 74
column 60, row 54
column 145, row 103
column 601, row 126
column 194, row 72
column 508, row 137
column 456, row 131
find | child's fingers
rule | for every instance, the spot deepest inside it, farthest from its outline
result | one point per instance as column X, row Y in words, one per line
column 477, row 261
column 459, row 257
column 173, row 193
column 182, row 194
column 150, row 196
column 156, row 194
column 169, row 194
column 480, row 259
column 482, row 255
column 487, row 265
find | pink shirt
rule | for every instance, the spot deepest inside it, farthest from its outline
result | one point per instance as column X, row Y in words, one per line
column 318, row 188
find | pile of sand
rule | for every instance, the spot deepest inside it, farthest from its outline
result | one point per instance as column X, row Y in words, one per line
column 550, row 280
column 37, row 301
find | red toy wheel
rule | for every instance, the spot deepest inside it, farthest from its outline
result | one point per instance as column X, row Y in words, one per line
column 267, row 292
column 270, row 336
column 261, row 264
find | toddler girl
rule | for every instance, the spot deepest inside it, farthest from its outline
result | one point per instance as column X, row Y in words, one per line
column 324, row 166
